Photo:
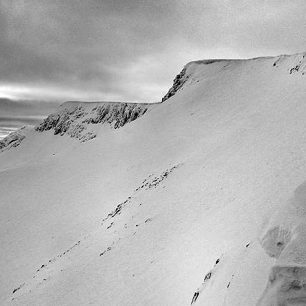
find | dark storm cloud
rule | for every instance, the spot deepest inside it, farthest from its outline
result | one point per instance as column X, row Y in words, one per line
column 132, row 49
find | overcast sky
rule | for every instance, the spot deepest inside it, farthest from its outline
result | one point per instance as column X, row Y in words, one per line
column 130, row 50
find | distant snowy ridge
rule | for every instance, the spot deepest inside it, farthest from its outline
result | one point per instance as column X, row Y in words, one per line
column 76, row 118
column 12, row 140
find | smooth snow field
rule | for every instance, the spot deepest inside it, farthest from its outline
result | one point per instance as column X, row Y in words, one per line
column 199, row 199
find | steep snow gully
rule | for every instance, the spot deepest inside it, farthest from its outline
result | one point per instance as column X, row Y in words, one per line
column 197, row 200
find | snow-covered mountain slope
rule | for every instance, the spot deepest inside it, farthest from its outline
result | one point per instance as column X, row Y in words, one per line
column 201, row 200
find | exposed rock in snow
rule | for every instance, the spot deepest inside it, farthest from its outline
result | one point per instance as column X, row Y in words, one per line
column 74, row 119
column 206, row 279
column 296, row 63
column 12, row 140
column 178, row 82
column 116, row 115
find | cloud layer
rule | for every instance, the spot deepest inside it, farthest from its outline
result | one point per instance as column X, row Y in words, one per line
column 131, row 50
column 15, row 114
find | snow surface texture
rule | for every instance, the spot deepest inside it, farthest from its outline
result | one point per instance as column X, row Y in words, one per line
column 202, row 200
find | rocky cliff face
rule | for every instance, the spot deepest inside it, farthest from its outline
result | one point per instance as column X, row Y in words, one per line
column 76, row 119
column 178, row 82
column 12, row 140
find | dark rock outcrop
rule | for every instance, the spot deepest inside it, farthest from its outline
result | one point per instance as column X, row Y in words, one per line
column 178, row 82
column 12, row 140
column 75, row 119
column 117, row 115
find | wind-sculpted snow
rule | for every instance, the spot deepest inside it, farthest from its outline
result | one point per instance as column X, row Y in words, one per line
column 76, row 119
column 287, row 280
column 286, row 287
column 12, row 140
